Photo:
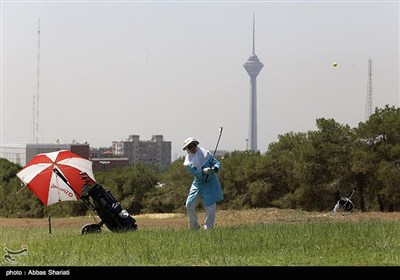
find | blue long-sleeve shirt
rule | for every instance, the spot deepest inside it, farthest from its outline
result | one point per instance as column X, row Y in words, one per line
column 210, row 191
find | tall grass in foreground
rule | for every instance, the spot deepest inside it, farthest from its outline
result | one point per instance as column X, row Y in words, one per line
column 308, row 244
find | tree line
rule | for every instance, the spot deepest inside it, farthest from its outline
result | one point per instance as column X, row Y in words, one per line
column 305, row 170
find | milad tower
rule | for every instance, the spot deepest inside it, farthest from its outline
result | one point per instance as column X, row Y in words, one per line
column 253, row 67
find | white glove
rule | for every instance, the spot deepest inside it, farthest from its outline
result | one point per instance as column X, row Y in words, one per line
column 207, row 170
column 214, row 169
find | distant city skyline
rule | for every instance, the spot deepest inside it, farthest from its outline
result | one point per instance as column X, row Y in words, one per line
column 112, row 69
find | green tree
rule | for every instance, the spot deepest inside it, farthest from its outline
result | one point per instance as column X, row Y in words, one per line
column 328, row 166
column 171, row 191
column 241, row 174
column 285, row 162
column 130, row 185
column 377, row 157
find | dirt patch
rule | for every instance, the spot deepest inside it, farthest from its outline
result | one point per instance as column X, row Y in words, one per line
column 58, row 222
column 162, row 215
column 224, row 218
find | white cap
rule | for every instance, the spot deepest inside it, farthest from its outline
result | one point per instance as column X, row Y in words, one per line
column 188, row 141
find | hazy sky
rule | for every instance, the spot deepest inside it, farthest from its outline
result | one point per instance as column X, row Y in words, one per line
column 110, row 69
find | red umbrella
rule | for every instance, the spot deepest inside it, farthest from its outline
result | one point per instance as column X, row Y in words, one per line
column 43, row 175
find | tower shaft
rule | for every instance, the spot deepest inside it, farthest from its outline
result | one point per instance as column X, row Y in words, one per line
column 368, row 104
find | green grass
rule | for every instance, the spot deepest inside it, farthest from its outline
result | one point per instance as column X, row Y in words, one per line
column 369, row 243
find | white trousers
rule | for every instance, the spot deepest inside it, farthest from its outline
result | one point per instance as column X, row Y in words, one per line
column 209, row 214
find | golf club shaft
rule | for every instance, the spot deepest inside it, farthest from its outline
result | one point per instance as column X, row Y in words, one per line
column 58, row 173
column 216, row 146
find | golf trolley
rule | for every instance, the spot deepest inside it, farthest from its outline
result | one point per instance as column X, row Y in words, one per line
column 344, row 203
column 102, row 202
column 110, row 211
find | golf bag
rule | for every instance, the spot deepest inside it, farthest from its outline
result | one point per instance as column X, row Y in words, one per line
column 344, row 203
column 110, row 211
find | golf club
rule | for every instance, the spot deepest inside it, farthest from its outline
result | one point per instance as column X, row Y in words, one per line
column 219, row 137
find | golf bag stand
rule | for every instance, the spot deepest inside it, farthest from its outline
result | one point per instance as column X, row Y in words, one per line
column 110, row 211
column 344, row 203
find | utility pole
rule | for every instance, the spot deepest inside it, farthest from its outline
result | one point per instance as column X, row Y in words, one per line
column 36, row 96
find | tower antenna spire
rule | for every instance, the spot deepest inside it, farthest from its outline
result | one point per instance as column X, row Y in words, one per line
column 254, row 33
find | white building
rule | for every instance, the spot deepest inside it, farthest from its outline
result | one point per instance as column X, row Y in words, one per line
column 23, row 153
column 15, row 153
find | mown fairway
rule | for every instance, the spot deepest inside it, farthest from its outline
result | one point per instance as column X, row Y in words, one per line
column 260, row 237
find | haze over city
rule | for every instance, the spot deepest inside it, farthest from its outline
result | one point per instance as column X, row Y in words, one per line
column 175, row 68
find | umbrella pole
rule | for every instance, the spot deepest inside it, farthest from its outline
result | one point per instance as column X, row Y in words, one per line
column 49, row 224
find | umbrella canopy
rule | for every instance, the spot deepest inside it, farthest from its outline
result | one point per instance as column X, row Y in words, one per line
column 42, row 176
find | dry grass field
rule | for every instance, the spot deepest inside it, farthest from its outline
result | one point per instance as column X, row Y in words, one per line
column 224, row 218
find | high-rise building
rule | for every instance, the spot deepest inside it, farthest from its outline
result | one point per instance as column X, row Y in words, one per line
column 253, row 67
column 151, row 152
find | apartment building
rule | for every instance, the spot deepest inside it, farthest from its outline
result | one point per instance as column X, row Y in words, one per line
column 155, row 151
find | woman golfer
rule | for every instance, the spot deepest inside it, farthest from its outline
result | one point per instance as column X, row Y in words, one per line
column 205, row 186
